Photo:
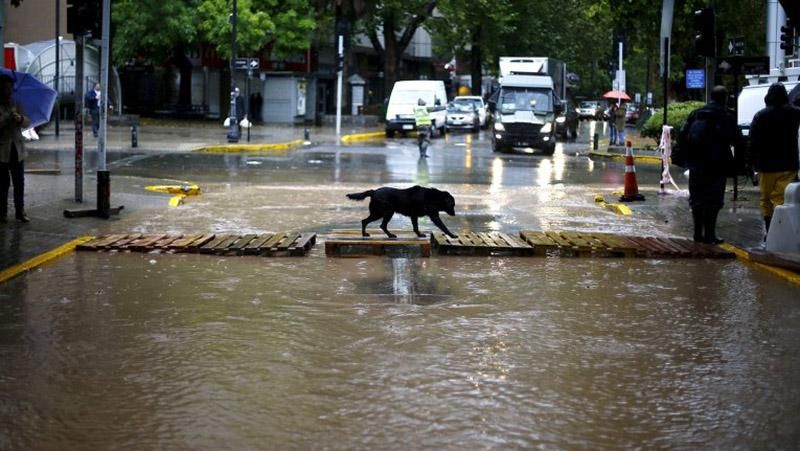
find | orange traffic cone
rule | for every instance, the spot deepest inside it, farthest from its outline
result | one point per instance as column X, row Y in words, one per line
column 631, row 187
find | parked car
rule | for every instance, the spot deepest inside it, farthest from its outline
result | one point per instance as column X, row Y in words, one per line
column 631, row 113
column 479, row 104
column 589, row 109
column 462, row 114
column 567, row 122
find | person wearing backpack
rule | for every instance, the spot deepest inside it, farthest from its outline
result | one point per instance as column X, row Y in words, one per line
column 773, row 143
column 706, row 141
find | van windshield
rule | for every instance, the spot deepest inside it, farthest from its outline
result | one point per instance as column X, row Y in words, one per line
column 411, row 97
column 513, row 99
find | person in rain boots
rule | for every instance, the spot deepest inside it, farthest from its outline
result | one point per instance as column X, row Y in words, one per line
column 12, row 152
column 708, row 136
column 773, row 144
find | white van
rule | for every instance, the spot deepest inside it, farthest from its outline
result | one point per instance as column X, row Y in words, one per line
column 405, row 94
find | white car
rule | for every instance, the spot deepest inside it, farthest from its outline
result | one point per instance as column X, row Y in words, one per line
column 477, row 103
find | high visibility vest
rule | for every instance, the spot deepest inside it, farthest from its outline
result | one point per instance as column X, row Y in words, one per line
column 421, row 116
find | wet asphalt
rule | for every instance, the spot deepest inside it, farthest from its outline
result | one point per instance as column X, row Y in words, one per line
column 526, row 190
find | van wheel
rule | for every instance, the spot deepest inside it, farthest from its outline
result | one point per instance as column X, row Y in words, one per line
column 549, row 150
column 389, row 133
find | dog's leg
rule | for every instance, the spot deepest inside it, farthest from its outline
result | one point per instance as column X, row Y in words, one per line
column 365, row 222
column 386, row 218
column 438, row 221
column 416, row 227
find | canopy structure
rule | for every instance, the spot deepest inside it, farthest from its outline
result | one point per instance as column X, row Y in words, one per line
column 40, row 61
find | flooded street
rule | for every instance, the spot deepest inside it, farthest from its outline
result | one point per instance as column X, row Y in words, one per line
column 147, row 351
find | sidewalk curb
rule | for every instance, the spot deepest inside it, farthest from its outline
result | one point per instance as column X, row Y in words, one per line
column 614, row 156
column 246, row 148
column 620, row 209
column 742, row 254
column 43, row 258
column 363, row 137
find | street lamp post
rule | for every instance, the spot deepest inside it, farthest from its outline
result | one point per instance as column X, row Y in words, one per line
column 233, row 130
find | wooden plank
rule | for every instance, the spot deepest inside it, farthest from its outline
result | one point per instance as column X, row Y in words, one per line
column 274, row 239
column 183, row 241
column 89, row 245
column 306, row 241
column 285, row 243
column 666, row 249
column 164, row 242
column 512, row 241
column 197, row 244
column 676, row 249
column 254, row 247
column 209, row 246
column 144, row 243
column 123, row 243
column 222, row 246
column 239, row 245
column 619, row 244
column 107, row 241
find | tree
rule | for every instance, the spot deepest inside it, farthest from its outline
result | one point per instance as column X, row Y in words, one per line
column 398, row 20
column 284, row 24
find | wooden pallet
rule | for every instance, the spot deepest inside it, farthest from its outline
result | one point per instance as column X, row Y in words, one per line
column 279, row 244
column 591, row 244
column 350, row 243
column 481, row 243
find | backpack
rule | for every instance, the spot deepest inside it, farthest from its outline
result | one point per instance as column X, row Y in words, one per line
column 703, row 142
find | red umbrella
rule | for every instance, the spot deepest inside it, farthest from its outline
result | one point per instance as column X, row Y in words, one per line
column 616, row 95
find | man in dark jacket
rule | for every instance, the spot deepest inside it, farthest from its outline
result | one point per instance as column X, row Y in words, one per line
column 773, row 143
column 707, row 138
column 92, row 103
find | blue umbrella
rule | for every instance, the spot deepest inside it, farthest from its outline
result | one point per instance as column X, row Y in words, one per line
column 34, row 98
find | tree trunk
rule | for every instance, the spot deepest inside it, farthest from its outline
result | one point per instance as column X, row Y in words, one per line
column 475, row 62
column 391, row 55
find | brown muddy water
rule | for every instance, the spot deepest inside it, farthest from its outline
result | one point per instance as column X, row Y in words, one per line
column 131, row 351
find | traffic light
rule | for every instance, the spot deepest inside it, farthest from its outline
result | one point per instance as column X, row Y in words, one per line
column 787, row 37
column 84, row 17
column 704, row 32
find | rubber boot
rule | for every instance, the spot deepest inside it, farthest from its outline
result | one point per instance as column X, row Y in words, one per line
column 697, row 217
column 711, row 228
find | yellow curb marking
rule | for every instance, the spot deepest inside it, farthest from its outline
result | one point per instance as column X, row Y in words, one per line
column 784, row 274
column 620, row 209
column 250, row 148
column 363, row 136
column 43, row 258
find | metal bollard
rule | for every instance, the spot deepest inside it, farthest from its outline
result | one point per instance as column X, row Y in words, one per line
column 306, row 134
column 134, row 136
column 596, row 142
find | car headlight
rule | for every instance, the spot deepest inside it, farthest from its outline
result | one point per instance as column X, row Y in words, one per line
column 561, row 119
column 499, row 127
column 546, row 128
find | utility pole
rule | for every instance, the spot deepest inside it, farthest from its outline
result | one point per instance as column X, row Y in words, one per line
column 233, row 130
column 339, row 70
column 58, row 64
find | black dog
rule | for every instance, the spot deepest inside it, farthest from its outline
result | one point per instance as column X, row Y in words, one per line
column 412, row 202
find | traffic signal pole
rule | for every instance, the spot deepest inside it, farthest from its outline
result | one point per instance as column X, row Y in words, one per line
column 103, row 209
column 233, row 130
column 340, row 69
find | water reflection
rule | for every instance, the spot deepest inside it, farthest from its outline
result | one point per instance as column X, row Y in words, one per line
column 190, row 351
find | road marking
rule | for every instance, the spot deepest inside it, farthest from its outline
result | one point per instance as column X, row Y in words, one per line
column 42, row 258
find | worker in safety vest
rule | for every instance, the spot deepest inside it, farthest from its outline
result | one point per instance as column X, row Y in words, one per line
column 423, row 121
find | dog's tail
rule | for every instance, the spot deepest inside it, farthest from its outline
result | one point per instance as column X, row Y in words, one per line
column 361, row 196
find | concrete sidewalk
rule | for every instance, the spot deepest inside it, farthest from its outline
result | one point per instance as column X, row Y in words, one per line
column 185, row 136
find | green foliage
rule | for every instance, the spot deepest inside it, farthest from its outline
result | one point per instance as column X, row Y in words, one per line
column 151, row 27
column 155, row 27
column 676, row 117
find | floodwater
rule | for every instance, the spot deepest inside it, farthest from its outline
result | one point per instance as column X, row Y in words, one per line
column 133, row 351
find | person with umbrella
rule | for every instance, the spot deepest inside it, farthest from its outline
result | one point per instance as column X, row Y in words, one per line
column 12, row 151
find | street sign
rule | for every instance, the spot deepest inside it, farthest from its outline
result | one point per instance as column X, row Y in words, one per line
column 747, row 65
column 736, row 46
column 695, row 79
column 246, row 64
